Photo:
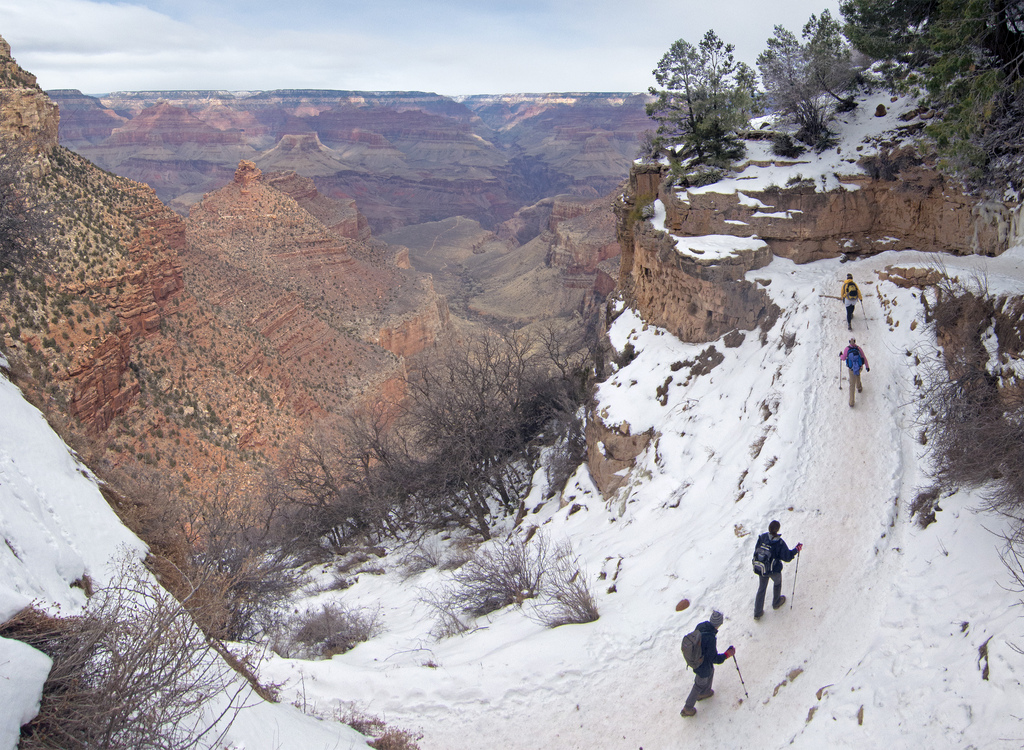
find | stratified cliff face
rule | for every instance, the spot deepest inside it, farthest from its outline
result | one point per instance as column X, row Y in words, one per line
column 920, row 210
column 405, row 157
column 322, row 301
column 907, row 207
column 195, row 354
column 27, row 113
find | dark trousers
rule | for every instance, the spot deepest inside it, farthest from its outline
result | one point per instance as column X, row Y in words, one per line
column 701, row 686
column 762, row 587
column 849, row 315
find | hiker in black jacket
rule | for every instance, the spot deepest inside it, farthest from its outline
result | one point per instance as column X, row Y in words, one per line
column 779, row 553
column 705, row 673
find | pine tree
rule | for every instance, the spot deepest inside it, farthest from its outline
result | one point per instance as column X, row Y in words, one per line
column 969, row 55
column 706, row 96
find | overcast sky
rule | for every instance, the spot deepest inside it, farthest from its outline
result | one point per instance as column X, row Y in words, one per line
column 452, row 47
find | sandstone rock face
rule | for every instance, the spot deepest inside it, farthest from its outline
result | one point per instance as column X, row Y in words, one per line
column 611, row 451
column 919, row 211
column 30, row 115
column 27, row 113
column 696, row 300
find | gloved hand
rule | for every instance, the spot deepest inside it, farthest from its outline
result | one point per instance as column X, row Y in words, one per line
column 867, row 368
column 799, row 546
column 730, row 651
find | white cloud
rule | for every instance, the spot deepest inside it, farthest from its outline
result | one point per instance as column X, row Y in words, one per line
column 454, row 47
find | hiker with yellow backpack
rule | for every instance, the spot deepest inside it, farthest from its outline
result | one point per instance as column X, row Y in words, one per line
column 850, row 295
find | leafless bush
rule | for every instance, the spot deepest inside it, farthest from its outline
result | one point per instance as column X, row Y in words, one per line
column 218, row 552
column 502, row 574
column 566, row 594
column 133, row 672
column 924, row 506
column 331, row 630
column 975, row 427
column 384, row 737
column 448, row 620
column 514, row 572
column 567, row 454
column 433, row 553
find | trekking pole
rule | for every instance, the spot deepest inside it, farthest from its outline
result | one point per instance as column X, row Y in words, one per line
column 864, row 313
column 796, row 572
column 840, row 373
column 741, row 676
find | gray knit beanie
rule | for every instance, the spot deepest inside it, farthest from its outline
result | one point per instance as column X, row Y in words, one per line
column 716, row 618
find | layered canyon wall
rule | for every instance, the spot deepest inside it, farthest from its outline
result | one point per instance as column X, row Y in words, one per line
column 405, row 157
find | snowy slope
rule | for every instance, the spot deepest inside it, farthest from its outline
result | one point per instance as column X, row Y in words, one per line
column 886, row 616
column 56, row 528
column 881, row 646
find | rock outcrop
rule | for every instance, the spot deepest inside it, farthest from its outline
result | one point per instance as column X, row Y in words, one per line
column 921, row 210
column 26, row 113
column 340, row 216
column 307, row 294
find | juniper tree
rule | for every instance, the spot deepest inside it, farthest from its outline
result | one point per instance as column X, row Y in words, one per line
column 808, row 81
column 704, row 96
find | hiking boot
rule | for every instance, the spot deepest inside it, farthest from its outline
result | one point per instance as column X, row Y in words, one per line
column 687, row 711
column 758, row 616
column 705, row 696
column 779, row 603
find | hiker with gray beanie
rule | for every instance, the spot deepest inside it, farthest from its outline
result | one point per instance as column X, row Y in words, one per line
column 705, row 672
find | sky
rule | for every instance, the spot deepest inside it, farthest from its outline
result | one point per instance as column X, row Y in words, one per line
column 456, row 47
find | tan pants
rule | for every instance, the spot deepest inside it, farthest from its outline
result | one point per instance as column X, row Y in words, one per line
column 855, row 386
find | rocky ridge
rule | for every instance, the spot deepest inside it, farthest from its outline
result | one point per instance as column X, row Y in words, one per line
column 191, row 356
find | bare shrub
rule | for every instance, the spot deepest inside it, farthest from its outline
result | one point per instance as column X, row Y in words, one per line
column 331, row 630
column 133, row 672
column 975, row 426
column 219, row 552
column 448, row 619
column 423, row 557
column 924, row 506
column 566, row 593
column 567, row 454
column 514, row 572
column 384, row 737
column 502, row 574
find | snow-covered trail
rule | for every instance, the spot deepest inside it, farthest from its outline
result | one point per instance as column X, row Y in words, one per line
column 620, row 682
column 844, row 501
column 766, row 434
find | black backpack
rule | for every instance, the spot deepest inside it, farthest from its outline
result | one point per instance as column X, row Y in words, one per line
column 763, row 556
column 850, row 290
column 693, row 649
